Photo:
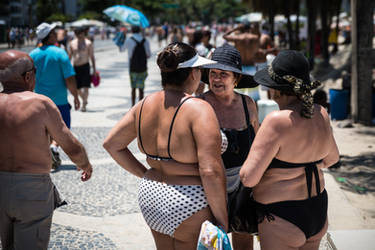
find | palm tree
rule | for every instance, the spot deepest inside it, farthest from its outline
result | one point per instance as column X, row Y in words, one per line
column 362, row 51
column 311, row 28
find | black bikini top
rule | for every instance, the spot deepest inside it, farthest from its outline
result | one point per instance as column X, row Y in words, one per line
column 156, row 157
column 239, row 142
column 310, row 167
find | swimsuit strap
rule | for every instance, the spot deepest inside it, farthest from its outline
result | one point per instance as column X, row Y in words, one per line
column 139, row 127
column 170, row 129
column 309, row 169
column 246, row 111
column 276, row 163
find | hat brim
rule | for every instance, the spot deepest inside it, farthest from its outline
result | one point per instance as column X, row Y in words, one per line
column 202, row 61
column 263, row 78
column 51, row 27
column 246, row 81
column 196, row 61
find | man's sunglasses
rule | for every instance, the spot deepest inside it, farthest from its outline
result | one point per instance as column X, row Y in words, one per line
column 33, row 69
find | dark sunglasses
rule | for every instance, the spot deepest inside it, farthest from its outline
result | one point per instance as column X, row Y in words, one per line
column 33, row 69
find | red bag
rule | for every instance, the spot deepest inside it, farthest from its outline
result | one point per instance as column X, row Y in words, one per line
column 95, row 79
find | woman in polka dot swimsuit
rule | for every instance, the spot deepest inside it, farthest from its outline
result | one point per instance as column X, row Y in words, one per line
column 185, row 184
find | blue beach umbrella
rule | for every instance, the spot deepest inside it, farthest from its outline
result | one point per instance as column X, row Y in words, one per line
column 126, row 14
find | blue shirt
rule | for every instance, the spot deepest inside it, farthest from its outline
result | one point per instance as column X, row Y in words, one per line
column 53, row 67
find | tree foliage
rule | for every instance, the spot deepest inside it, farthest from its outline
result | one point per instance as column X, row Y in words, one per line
column 174, row 11
column 46, row 8
column 89, row 15
column 59, row 17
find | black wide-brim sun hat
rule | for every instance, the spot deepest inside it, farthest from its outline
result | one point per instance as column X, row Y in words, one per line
column 228, row 58
column 287, row 62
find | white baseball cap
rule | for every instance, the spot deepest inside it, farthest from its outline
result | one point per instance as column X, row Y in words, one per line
column 44, row 29
column 195, row 61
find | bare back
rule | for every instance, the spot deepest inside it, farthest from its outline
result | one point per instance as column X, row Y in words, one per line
column 156, row 122
column 247, row 44
column 25, row 142
column 296, row 140
column 27, row 120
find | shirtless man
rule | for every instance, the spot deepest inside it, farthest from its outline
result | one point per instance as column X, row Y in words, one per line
column 266, row 46
column 247, row 40
column 27, row 120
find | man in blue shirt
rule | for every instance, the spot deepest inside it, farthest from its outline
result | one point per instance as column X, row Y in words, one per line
column 55, row 75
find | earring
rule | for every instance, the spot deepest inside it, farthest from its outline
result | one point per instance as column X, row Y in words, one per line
column 235, row 84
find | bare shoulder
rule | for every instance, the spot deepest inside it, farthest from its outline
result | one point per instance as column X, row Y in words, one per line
column 251, row 105
column 250, row 102
column 250, row 36
column 152, row 102
column 46, row 101
column 322, row 111
column 323, row 115
column 279, row 121
column 198, row 107
column 30, row 97
column 206, row 95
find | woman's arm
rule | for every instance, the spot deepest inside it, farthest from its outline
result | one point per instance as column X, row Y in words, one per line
column 265, row 146
column 333, row 155
column 119, row 138
column 206, row 133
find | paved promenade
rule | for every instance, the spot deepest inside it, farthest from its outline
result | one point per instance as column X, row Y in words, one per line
column 103, row 213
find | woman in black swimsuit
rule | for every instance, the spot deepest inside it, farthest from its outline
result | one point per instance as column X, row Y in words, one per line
column 238, row 119
column 285, row 161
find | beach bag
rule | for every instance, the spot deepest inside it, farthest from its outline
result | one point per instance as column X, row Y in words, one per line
column 138, row 62
column 242, row 211
column 212, row 237
column 95, row 79
column 119, row 39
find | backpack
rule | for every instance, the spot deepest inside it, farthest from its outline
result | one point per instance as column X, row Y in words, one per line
column 138, row 61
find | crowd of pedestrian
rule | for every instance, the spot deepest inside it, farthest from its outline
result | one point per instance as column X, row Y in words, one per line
column 208, row 156
column 17, row 37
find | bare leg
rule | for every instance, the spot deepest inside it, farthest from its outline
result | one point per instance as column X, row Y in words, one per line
column 242, row 241
column 280, row 234
column 81, row 94
column 314, row 241
column 162, row 241
column 186, row 235
column 85, row 94
column 133, row 96
column 140, row 94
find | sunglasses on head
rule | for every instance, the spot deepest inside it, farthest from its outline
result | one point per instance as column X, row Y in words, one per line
column 33, row 69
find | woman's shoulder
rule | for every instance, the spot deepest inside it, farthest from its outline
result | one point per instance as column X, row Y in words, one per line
column 248, row 99
column 278, row 120
column 196, row 106
column 198, row 101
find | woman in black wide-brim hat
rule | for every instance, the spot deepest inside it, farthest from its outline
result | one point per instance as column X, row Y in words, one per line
column 286, row 158
column 238, row 119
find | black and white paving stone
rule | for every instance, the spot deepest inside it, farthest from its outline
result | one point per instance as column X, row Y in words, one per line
column 67, row 238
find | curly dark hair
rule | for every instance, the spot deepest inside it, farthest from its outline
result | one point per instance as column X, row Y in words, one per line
column 168, row 61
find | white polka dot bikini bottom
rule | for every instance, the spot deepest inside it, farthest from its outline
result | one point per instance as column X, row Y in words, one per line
column 166, row 206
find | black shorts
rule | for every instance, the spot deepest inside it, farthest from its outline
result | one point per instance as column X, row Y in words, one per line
column 83, row 76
